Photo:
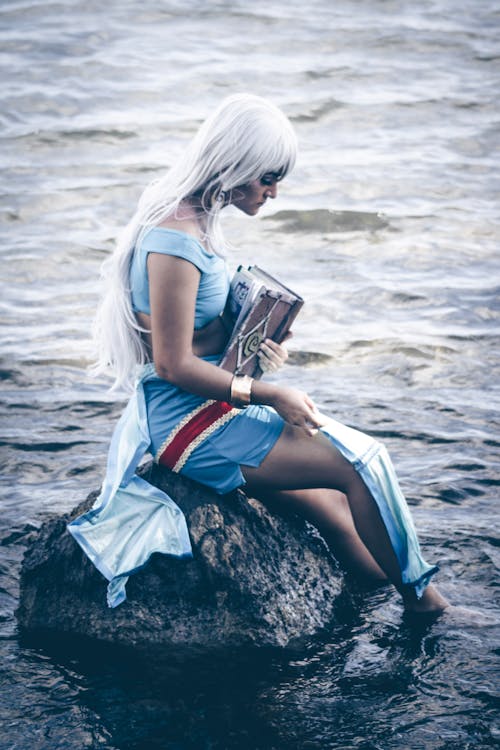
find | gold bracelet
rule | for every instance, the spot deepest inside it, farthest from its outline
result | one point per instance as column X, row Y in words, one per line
column 241, row 390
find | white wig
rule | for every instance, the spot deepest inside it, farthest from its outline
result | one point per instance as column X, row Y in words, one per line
column 245, row 138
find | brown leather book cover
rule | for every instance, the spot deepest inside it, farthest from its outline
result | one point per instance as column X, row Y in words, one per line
column 270, row 315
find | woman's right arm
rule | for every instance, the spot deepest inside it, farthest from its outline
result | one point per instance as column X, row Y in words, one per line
column 173, row 286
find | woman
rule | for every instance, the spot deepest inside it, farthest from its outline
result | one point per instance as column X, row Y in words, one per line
column 161, row 320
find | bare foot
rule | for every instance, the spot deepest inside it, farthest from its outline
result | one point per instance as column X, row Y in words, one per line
column 435, row 606
column 430, row 603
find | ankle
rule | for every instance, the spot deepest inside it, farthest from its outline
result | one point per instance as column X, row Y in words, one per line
column 430, row 601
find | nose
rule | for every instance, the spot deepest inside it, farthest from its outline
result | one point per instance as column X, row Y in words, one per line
column 271, row 190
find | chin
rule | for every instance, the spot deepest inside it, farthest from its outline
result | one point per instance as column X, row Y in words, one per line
column 249, row 210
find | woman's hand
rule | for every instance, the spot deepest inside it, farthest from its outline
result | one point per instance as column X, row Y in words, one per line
column 298, row 409
column 271, row 355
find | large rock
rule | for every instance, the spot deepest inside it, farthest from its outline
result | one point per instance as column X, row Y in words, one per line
column 256, row 578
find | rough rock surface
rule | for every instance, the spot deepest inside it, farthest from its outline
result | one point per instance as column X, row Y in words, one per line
column 256, row 578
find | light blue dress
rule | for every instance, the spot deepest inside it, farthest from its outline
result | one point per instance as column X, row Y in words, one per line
column 131, row 519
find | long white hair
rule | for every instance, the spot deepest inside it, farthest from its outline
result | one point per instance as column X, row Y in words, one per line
column 245, row 138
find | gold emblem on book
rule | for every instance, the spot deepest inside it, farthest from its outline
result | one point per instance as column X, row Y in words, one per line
column 252, row 343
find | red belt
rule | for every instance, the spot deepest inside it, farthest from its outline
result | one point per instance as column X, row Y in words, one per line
column 193, row 430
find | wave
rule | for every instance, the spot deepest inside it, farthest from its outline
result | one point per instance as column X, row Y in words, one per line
column 328, row 220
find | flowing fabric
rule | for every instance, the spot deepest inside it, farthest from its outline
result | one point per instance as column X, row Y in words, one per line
column 131, row 518
column 372, row 461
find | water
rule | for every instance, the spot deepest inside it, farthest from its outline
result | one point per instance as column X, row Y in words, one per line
column 389, row 227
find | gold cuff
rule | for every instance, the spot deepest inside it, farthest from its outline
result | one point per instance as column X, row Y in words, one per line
column 241, row 390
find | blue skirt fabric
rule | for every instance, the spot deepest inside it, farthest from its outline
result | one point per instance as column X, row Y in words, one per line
column 131, row 519
column 245, row 440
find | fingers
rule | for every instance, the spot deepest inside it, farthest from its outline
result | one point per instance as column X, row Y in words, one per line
column 297, row 408
column 310, row 428
column 311, row 431
column 312, row 421
column 265, row 364
column 306, row 426
column 271, row 355
column 315, row 419
column 320, row 420
column 279, row 350
column 312, row 425
column 315, row 416
column 310, row 403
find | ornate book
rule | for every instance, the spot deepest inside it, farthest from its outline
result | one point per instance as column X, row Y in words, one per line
column 259, row 307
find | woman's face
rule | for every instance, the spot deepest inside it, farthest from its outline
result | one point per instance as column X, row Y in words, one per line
column 249, row 198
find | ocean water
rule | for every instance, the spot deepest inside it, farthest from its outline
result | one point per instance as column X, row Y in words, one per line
column 389, row 227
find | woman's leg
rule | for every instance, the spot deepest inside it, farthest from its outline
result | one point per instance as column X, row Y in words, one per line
column 299, row 461
column 329, row 511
